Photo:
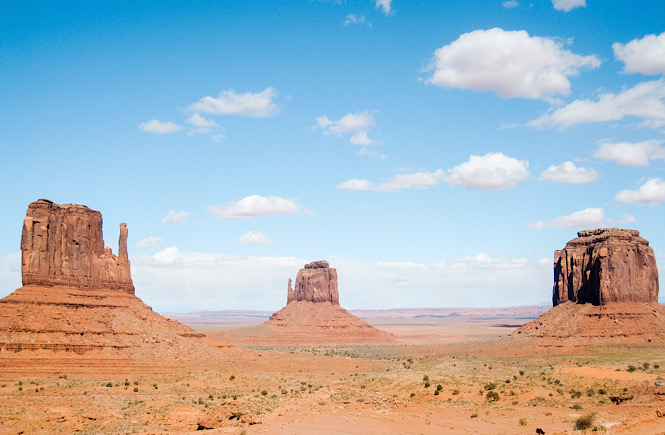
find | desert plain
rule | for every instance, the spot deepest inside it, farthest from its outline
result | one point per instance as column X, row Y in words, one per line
column 448, row 371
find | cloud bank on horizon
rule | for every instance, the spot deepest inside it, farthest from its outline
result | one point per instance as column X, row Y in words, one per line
column 435, row 156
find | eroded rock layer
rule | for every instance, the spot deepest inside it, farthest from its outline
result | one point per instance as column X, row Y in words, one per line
column 316, row 282
column 604, row 266
column 63, row 245
column 605, row 292
column 77, row 309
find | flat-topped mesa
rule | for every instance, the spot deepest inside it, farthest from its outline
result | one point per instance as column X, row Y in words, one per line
column 603, row 266
column 63, row 245
column 316, row 282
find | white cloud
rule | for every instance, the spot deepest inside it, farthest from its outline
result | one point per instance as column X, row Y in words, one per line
column 255, row 238
column 254, row 205
column 412, row 180
column 354, row 19
column 644, row 100
column 583, row 219
column 510, row 63
column 175, row 218
column 364, row 151
column 385, row 6
column 510, row 4
column 201, row 125
column 493, row 171
column 349, row 123
column 646, row 55
column 568, row 5
column 361, row 139
column 158, row 127
column 353, row 126
column 567, row 172
column 652, row 192
column 149, row 242
column 254, row 104
column 631, row 154
column 355, row 184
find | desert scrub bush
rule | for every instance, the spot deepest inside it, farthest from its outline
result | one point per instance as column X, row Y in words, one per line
column 490, row 386
column 425, row 378
column 264, row 393
column 521, row 372
column 646, row 365
column 439, row 387
column 437, row 392
column 455, row 392
column 631, row 369
column 136, row 390
column 474, row 415
column 232, row 377
column 602, row 391
column 523, row 421
column 109, row 384
column 590, row 392
column 576, row 407
column 492, row 396
column 584, row 422
column 413, row 395
column 427, row 384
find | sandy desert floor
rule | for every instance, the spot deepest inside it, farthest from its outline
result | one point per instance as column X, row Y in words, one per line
column 444, row 376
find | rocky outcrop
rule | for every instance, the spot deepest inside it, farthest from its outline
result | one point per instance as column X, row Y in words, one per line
column 63, row 245
column 603, row 266
column 77, row 308
column 316, row 282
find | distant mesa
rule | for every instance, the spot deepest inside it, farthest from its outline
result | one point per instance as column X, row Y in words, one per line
column 77, row 307
column 312, row 315
column 605, row 292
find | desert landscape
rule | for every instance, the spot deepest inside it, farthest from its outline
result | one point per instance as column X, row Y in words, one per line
column 81, row 353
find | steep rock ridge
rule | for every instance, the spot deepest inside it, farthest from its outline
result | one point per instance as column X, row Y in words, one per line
column 605, row 292
column 63, row 245
column 316, row 282
column 604, row 266
column 77, row 308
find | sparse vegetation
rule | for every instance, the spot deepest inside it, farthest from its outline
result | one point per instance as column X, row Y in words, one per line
column 584, row 422
column 523, row 421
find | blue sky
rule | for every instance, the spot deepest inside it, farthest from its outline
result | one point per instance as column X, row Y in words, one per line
column 435, row 152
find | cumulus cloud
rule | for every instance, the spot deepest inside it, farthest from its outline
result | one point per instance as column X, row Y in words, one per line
column 253, row 104
column 631, row 154
column 646, row 55
column 385, row 6
column 568, row 5
column 352, row 126
column 583, row 219
column 652, row 192
column 510, row 63
column 493, row 171
column 567, row 172
column 510, row 4
column 255, row 238
column 175, row 218
column 354, row 19
column 158, row 127
column 254, row 205
column 149, row 242
column 201, row 125
column 364, row 151
column 644, row 100
column 412, row 180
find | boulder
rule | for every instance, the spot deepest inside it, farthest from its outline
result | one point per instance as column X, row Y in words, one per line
column 64, row 245
column 316, row 282
column 603, row 266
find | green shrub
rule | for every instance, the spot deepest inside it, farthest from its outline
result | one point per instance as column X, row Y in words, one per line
column 439, row 387
column 136, row 390
column 523, row 421
column 425, row 378
column 232, row 377
column 631, row 369
column 264, row 393
column 576, row 407
column 492, row 396
column 109, row 384
column 584, row 422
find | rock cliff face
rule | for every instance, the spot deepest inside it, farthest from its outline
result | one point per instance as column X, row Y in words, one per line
column 317, row 282
column 604, row 266
column 63, row 245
